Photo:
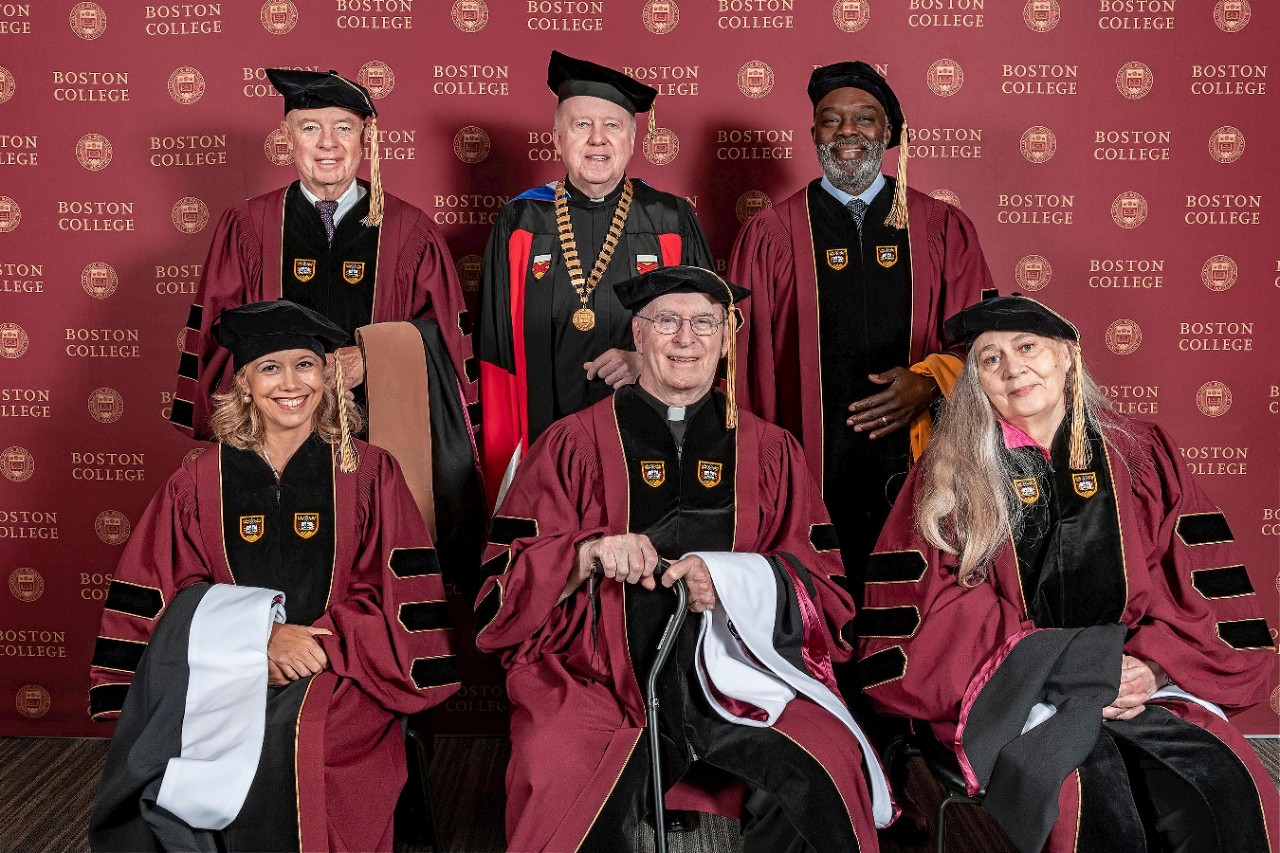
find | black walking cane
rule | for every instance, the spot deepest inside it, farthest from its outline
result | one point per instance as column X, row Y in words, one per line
column 665, row 644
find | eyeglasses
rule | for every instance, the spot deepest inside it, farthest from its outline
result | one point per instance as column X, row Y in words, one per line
column 703, row 325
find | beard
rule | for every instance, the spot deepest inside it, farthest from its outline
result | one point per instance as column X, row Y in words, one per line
column 852, row 177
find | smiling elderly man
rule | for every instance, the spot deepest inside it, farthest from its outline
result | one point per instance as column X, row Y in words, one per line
column 853, row 276
column 335, row 244
column 661, row 468
column 553, row 338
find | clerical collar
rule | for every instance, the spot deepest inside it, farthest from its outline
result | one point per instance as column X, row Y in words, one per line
column 346, row 201
column 676, row 414
column 844, row 198
column 579, row 197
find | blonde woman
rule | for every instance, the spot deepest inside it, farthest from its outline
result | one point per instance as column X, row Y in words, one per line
column 286, row 502
column 1057, row 598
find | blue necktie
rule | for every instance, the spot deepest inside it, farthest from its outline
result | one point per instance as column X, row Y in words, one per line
column 857, row 209
column 326, row 210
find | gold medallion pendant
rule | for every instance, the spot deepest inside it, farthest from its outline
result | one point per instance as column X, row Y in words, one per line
column 584, row 319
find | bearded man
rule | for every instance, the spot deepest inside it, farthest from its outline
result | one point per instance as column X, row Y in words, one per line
column 853, row 276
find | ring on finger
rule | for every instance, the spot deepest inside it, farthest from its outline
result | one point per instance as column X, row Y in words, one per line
column 884, row 420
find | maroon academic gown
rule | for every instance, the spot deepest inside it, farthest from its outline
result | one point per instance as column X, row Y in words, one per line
column 779, row 351
column 415, row 279
column 390, row 650
column 577, row 714
column 1186, row 602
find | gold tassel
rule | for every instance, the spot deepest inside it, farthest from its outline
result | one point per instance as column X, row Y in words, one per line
column 1079, row 458
column 897, row 217
column 653, row 118
column 375, row 177
column 346, row 454
column 731, row 369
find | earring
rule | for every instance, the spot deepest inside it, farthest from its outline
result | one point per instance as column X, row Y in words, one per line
column 244, row 398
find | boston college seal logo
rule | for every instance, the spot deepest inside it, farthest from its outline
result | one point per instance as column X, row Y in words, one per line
column 1086, row 484
column 190, row 215
column 838, row 259
column 7, row 84
column 1134, row 80
column 17, row 464
column 1219, row 273
column 709, row 473
column 1040, row 16
column 755, row 79
column 99, row 280
column 943, row 194
column 93, row 151
column 661, row 146
column 1038, row 144
column 33, row 700
column 1033, row 273
column 306, row 524
column 88, row 20
column 1027, row 489
column 279, row 16
column 851, row 15
column 106, row 405
column 112, row 527
column 471, row 144
column 252, row 527
column 1213, row 399
column 660, row 16
column 26, row 585
column 276, row 147
column 750, row 203
column 1232, row 16
column 10, row 214
column 1129, row 210
column 378, row 78
column 186, row 85
column 470, row 16
column 469, row 267
column 13, row 340
column 945, row 77
column 653, row 473
column 1226, row 144
column 1124, row 337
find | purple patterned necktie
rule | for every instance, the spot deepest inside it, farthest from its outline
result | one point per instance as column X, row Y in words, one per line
column 857, row 209
column 326, row 210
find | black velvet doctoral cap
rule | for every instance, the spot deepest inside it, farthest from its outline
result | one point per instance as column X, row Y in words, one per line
column 569, row 77
column 858, row 75
column 254, row 330
column 314, row 90
column 635, row 293
column 1008, row 314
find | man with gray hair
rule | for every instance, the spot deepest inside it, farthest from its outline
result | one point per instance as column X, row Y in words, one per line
column 853, row 276
column 552, row 337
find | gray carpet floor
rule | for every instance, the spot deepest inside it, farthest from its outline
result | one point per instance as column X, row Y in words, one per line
column 47, row 787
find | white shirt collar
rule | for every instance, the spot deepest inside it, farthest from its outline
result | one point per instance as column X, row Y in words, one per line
column 844, row 198
column 346, row 201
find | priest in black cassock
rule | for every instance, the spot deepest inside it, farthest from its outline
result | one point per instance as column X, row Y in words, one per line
column 328, row 241
column 553, row 338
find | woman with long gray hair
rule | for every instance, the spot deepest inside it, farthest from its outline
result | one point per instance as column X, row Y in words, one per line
column 1061, row 603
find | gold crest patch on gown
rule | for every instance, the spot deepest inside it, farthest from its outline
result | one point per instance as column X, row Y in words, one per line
column 252, row 527
column 1086, row 484
column 353, row 271
column 305, row 524
column 654, row 473
column 541, row 265
column 709, row 473
column 837, row 259
column 304, row 269
column 886, row 256
column 1027, row 488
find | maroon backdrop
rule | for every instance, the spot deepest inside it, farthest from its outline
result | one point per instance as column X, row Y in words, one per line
column 1116, row 155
